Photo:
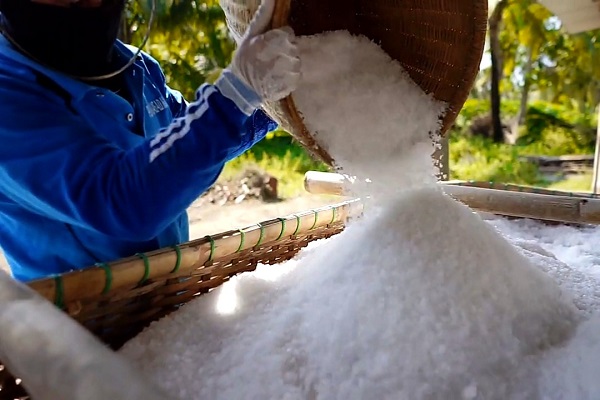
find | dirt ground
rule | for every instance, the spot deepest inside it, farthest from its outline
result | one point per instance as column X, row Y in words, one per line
column 209, row 219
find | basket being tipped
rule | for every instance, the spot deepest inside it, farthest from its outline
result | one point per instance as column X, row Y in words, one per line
column 438, row 42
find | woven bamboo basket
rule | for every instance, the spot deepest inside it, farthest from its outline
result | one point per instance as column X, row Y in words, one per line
column 438, row 42
column 115, row 301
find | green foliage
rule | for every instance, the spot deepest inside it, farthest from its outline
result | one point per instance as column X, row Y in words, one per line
column 575, row 183
column 290, row 181
column 280, row 144
column 287, row 164
column 539, row 57
column 554, row 129
column 561, row 71
column 483, row 160
column 572, row 74
column 279, row 155
column 189, row 39
column 475, row 108
column 472, row 109
column 550, row 129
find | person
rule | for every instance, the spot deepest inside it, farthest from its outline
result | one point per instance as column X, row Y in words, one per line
column 97, row 165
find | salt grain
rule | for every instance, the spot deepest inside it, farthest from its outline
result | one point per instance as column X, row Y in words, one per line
column 571, row 371
column 366, row 112
column 395, row 318
column 426, row 308
column 421, row 299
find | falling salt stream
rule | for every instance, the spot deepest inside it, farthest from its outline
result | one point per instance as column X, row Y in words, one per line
column 419, row 299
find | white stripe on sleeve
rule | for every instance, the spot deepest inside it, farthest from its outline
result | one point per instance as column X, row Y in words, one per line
column 177, row 131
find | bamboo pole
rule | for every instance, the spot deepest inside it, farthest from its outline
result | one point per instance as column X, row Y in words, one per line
column 519, row 188
column 528, row 205
column 130, row 272
column 316, row 182
column 596, row 175
column 548, row 207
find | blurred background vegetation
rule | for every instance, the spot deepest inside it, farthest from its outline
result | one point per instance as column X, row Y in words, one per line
column 547, row 86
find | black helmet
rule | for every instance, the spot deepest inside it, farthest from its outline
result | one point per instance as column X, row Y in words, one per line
column 75, row 40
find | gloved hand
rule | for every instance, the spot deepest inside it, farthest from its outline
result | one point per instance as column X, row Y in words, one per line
column 266, row 65
column 267, row 60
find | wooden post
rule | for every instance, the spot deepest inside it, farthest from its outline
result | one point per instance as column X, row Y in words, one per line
column 596, row 176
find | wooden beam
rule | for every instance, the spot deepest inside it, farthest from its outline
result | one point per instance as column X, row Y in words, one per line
column 566, row 209
column 528, row 205
column 316, row 182
column 596, row 174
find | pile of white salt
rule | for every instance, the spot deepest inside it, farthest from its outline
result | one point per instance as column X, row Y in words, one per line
column 366, row 111
column 421, row 299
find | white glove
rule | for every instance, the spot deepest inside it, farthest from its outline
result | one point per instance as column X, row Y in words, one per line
column 267, row 60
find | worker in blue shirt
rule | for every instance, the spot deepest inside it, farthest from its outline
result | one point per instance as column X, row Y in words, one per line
column 99, row 158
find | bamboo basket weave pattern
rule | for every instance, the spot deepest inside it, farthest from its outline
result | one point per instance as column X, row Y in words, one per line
column 116, row 301
column 439, row 42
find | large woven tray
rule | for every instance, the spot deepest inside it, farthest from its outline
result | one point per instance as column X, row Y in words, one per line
column 117, row 300
column 439, row 42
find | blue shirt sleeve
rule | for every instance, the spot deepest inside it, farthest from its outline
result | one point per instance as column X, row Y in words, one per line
column 56, row 165
column 177, row 103
column 259, row 123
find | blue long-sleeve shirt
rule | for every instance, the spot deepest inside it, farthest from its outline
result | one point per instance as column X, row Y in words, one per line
column 87, row 177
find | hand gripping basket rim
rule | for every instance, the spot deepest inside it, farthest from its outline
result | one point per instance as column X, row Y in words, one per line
column 473, row 25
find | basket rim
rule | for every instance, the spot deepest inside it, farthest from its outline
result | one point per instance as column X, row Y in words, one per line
column 172, row 262
column 478, row 29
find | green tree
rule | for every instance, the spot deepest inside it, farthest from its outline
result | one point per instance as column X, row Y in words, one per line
column 495, row 21
column 531, row 53
column 540, row 56
column 525, row 34
column 571, row 72
column 189, row 38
